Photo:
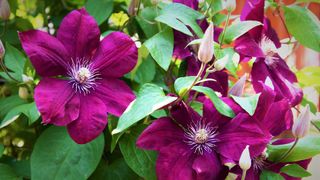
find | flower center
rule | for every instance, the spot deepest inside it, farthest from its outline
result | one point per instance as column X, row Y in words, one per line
column 268, row 47
column 201, row 137
column 82, row 76
column 259, row 162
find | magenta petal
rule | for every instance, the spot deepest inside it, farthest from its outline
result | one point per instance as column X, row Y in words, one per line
column 48, row 56
column 270, row 33
column 175, row 162
column 266, row 98
column 56, row 101
column 79, row 33
column 91, row 122
column 247, row 46
column 115, row 94
column 190, row 3
column 184, row 114
column 241, row 131
column 207, row 166
column 116, row 55
column 161, row 133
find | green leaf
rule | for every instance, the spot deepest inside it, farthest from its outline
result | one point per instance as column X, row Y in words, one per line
column 249, row 104
column 295, row 170
column 179, row 16
column 7, row 173
column 237, row 29
column 197, row 106
column 231, row 56
column 306, row 148
column 309, row 76
column 307, row 1
column 9, row 103
column 117, row 170
column 303, row 25
column 160, row 47
column 14, row 61
column 57, row 156
column 305, row 101
column 269, row 175
column 159, row 113
column 1, row 150
column 146, row 20
column 140, row 161
column 221, row 106
column 146, row 71
column 99, row 9
column 30, row 110
column 149, row 99
column 183, row 83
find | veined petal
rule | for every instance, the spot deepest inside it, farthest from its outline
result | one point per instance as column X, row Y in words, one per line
column 48, row 56
column 161, row 133
column 115, row 94
column 79, row 33
column 184, row 114
column 91, row 122
column 247, row 46
column 116, row 55
column 56, row 101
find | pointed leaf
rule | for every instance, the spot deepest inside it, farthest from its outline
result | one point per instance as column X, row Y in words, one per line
column 249, row 104
column 295, row 170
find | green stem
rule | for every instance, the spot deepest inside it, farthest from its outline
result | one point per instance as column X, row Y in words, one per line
column 225, row 28
column 6, row 70
column 315, row 126
column 244, row 173
column 286, row 154
column 4, row 28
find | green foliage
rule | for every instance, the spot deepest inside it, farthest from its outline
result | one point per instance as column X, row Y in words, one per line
column 306, row 147
column 295, row 170
column 57, row 156
column 249, row 103
column 99, row 9
column 269, row 175
column 182, row 84
column 303, row 25
column 160, row 47
column 149, row 99
column 6, row 172
column 140, row 161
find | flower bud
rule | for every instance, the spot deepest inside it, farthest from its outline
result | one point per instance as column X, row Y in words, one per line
column 245, row 160
column 221, row 63
column 2, row 50
column 4, row 10
column 132, row 9
column 230, row 5
column 26, row 79
column 238, row 87
column 23, row 93
column 206, row 50
column 302, row 124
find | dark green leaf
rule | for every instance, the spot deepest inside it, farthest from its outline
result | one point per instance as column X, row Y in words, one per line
column 160, row 47
column 269, row 175
column 249, row 104
column 57, row 156
column 179, row 16
column 183, row 83
column 221, row 106
column 295, row 170
column 140, row 161
column 303, row 25
column 150, row 98
column 1, row 149
column 306, row 147
column 146, row 20
column 9, row 103
column 237, row 29
column 99, row 9
column 197, row 106
column 7, row 173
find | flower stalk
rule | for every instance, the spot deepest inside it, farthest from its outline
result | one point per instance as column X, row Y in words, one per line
column 225, row 28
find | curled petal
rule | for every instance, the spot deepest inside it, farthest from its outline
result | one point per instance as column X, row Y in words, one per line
column 48, row 56
column 116, row 55
column 79, row 33
column 91, row 122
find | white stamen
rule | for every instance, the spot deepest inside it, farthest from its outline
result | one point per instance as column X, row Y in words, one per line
column 268, row 47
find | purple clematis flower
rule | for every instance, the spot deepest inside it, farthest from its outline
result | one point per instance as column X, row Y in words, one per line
column 262, row 43
column 195, row 147
column 80, row 84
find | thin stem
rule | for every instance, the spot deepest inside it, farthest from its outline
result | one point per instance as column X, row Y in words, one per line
column 283, row 22
column 244, row 173
column 193, row 83
column 286, row 154
column 314, row 124
column 224, row 29
column 6, row 70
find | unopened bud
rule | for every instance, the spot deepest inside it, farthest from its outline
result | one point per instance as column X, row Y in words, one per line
column 238, row 87
column 206, row 50
column 4, row 10
column 302, row 124
column 26, row 79
column 23, row 93
column 245, row 160
column 230, row 5
column 133, row 7
column 221, row 63
column 2, row 50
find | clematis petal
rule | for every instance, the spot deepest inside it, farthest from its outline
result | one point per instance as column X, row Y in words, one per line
column 241, row 131
column 91, row 122
column 116, row 55
column 208, row 166
column 48, row 56
column 79, row 33
column 266, row 99
column 175, row 162
column 190, row 3
column 56, row 101
column 115, row 94
column 184, row 114
column 247, row 46
column 270, row 33
column 161, row 133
